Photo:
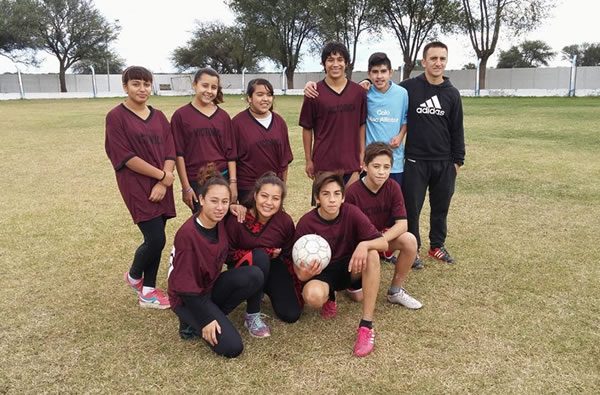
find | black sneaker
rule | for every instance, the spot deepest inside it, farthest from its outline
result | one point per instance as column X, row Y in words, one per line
column 186, row 331
column 418, row 263
column 441, row 254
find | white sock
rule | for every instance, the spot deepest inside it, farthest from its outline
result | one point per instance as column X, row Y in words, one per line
column 147, row 290
column 133, row 280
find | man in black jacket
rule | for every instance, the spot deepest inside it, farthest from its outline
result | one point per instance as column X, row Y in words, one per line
column 434, row 150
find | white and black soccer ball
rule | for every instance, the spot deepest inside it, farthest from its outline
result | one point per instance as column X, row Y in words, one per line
column 310, row 247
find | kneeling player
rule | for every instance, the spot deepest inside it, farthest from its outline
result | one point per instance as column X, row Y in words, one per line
column 354, row 242
column 382, row 201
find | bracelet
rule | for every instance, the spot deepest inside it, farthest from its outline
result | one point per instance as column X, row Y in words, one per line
column 233, row 180
column 190, row 189
column 163, row 177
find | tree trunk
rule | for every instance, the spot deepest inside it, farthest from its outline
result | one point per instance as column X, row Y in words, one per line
column 61, row 77
column 289, row 73
column 349, row 70
column 408, row 68
column 482, row 69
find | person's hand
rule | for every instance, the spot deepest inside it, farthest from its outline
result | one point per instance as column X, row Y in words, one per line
column 457, row 167
column 358, row 262
column 239, row 211
column 275, row 253
column 168, row 179
column 209, row 332
column 365, row 84
column 158, row 192
column 310, row 169
column 189, row 197
column 306, row 272
column 310, row 90
column 234, row 192
column 395, row 141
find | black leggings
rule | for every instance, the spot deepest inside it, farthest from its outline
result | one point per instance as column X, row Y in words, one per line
column 279, row 286
column 230, row 289
column 147, row 256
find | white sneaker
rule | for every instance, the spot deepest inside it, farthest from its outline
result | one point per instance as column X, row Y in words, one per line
column 404, row 299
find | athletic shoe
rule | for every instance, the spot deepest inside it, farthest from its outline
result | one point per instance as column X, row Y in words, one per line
column 441, row 254
column 365, row 341
column 154, row 300
column 136, row 287
column 403, row 298
column 329, row 309
column 256, row 326
column 418, row 263
column 186, row 331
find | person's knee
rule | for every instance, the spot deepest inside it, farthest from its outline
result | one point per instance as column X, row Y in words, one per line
column 289, row 315
column 231, row 348
column 255, row 278
column 315, row 296
column 407, row 243
column 261, row 259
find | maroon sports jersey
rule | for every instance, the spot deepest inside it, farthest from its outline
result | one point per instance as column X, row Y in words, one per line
column 127, row 135
column 201, row 139
column 260, row 149
column 343, row 233
column 383, row 208
column 335, row 119
column 196, row 261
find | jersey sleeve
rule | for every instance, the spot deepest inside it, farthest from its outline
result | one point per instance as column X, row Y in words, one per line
column 457, row 132
column 183, row 278
column 169, row 142
column 177, row 132
column 404, row 109
column 116, row 144
column 229, row 140
column 307, row 113
column 287, row 156
column 286, row 250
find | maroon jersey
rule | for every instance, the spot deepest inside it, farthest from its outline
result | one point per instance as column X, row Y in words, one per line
column 335, row 119
column 260, row 149
column 342, row 233
column 383, row 208
column 201, row 139
column 127, row 135
column 196, row 260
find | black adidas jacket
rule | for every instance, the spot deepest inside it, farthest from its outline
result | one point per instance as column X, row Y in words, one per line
column 435, row 121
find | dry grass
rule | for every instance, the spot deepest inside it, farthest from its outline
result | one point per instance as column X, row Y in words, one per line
column 518, row 313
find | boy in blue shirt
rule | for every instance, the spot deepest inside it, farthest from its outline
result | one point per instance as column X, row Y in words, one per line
column 387, row 106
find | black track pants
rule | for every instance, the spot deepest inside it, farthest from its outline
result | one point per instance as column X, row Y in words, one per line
column 147, row 256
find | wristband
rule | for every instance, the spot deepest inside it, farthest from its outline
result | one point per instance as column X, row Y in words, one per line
column 190, row 189
column 163, row 177
column 232, row 180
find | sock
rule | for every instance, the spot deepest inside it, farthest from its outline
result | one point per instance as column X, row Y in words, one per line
column 394, row 289
column 133, row 280
column 147, row 290
column 366, row 324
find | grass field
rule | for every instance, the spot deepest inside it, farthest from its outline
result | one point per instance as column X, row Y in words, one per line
column 518, row 313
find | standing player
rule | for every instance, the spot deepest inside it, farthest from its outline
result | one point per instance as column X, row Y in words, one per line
column 140, row 147
column 202, row 133
column 435, row 148
column 264, row 240
column 261, row 138
column 336, row 119
column 354, row 243
column 200, row 294
column 381, row 200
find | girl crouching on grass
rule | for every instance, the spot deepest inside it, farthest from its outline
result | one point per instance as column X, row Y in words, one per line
column 200, row 294
column 140, row 147
column 264, row 240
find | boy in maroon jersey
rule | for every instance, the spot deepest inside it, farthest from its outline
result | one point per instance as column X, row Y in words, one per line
column 381, row 200
column 354, row 243
column 140, row 147
column 336, row 119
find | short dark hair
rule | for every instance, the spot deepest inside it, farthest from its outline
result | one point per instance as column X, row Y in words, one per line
column 266, row 179
column 433, row 44
column 325, row 178
column 378, row 59
column 259, row 81
column 208, row 71
column 136, row 73
column 335, row 47
column 378, row 148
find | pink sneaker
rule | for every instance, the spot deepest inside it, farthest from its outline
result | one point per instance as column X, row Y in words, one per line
column 329, row 309
column 365, row 341
column 136, row 287
column 154, row 300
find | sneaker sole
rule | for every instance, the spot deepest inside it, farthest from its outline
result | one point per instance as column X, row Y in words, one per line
column 441, row 260
column 150, row 305
column 253, row 335
column 401, row 304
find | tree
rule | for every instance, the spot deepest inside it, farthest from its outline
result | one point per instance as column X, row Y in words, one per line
column 73, row 30
column 227, row 49
column 18, row 30
column 482, row 20
column 116, row 64
column 587, row 54
column 533, row 53
column 281, row 28
column 415, row 21
column 469, row 66
column 345, row 21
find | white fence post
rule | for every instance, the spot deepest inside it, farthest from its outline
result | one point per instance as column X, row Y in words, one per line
column 94, row 88
column 476, row 93
column 21, row 89
column 243, row 80
column 283, row 81
column 572, row 80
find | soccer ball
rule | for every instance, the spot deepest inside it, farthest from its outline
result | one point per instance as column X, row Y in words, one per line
column 310, row 247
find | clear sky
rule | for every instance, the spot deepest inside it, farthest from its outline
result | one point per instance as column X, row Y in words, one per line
column 151, row 29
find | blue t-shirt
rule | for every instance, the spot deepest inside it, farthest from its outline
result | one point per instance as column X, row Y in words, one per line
column 386, row 113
